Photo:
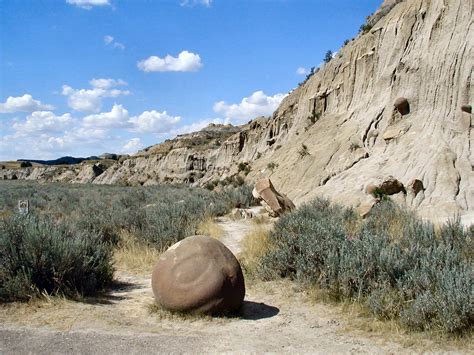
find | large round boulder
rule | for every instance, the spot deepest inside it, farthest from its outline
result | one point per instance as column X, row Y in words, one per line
column 198, row 275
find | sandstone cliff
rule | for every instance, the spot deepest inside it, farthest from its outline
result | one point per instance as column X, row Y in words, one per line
column 339, row 131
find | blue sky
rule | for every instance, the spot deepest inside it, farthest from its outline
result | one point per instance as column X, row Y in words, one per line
column 84, row 77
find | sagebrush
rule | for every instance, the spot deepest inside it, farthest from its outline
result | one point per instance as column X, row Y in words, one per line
column 397, row 265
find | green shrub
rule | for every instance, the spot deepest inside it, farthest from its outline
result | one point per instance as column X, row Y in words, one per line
column 365, row 28
column 303, row 151
column 42, row 256
column 25, row 164
column 328, row 56
column 394, row 263
column 244, row 167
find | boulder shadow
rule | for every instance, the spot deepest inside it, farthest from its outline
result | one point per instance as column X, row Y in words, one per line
column 108, row 297
column 254, row 311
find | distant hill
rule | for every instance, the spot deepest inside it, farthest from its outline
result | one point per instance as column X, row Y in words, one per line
column 61, row 161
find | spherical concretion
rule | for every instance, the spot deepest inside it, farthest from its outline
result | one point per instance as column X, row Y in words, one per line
column 199, row 275
column 466, row 108
column 402, row 106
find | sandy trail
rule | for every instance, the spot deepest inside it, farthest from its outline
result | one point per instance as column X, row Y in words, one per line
column 276, row 317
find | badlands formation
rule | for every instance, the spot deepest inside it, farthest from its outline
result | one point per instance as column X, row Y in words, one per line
column 343, row 132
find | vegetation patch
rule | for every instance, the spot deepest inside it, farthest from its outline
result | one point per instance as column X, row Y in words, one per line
column 73, row 233
column 42, row 256
column 399, row 267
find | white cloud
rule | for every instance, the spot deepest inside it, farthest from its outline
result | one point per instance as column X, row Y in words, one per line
column 132, row 146
column 90, row 100
column 257, row 104
column 43, row 122
column 154, row 122
column 185, row 62
column 302, row 71
column 88, row 4
column 107, row 83
column 116, row 118
column 206, row 3
column 110, row 41
column 24, row 103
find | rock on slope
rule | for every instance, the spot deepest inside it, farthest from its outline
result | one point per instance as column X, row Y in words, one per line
column 339, row 131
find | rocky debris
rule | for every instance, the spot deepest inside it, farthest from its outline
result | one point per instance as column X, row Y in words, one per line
column 415, row 186
column 402, row 106
column 275, row 203
column 198, row 275
column 391, row 186
column 466, row 108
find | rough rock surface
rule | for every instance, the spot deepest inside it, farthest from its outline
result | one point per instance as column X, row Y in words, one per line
column 200, row 275
column 275, row 203
column 422, row 50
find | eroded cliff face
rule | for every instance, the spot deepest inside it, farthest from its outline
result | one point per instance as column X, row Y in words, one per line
column 339, row 131
column 421, row 50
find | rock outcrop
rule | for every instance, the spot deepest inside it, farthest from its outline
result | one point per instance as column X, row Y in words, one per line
column 421, row 50
column 274, row 203
column 198, row 275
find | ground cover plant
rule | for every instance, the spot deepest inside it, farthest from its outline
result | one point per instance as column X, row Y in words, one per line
column 72, row 230
column 395, row 264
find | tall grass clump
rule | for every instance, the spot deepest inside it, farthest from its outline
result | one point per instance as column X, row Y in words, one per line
column 395, row 264
column 38, row 255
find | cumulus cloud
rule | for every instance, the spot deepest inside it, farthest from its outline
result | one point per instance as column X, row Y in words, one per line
column 24, row 103
column 302, row 71
column 185, row 62
column 206, row 3
column 88, row 4
column 107, row 83
column 257, row 104
column 132, row 146
column 43, row 122
column 154, row 122
column 90, row 100
column 110, row 41
column 116, row 118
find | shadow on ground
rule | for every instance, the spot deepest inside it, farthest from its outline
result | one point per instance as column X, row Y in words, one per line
column 254, row 311
column 116, row 292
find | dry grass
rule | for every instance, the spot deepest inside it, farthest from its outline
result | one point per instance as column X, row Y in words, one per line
column 210, row 228
column 254, row 246
column 361, row 322
column 135, row 257
column 160, row 313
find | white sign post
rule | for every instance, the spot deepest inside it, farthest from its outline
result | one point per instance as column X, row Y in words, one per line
column 23, row 206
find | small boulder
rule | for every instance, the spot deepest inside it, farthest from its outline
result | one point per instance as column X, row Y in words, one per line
column 416, row 186
column 466, row 108
column 391, row 186
column 198, row 275
column 275, row 203
column 402, row 106
column 366, row 206
column 370, row 189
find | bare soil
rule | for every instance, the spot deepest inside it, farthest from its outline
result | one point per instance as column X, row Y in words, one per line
column 276, row 317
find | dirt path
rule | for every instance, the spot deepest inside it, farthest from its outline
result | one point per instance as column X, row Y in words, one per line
column 235, row 231
column 276, row 317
